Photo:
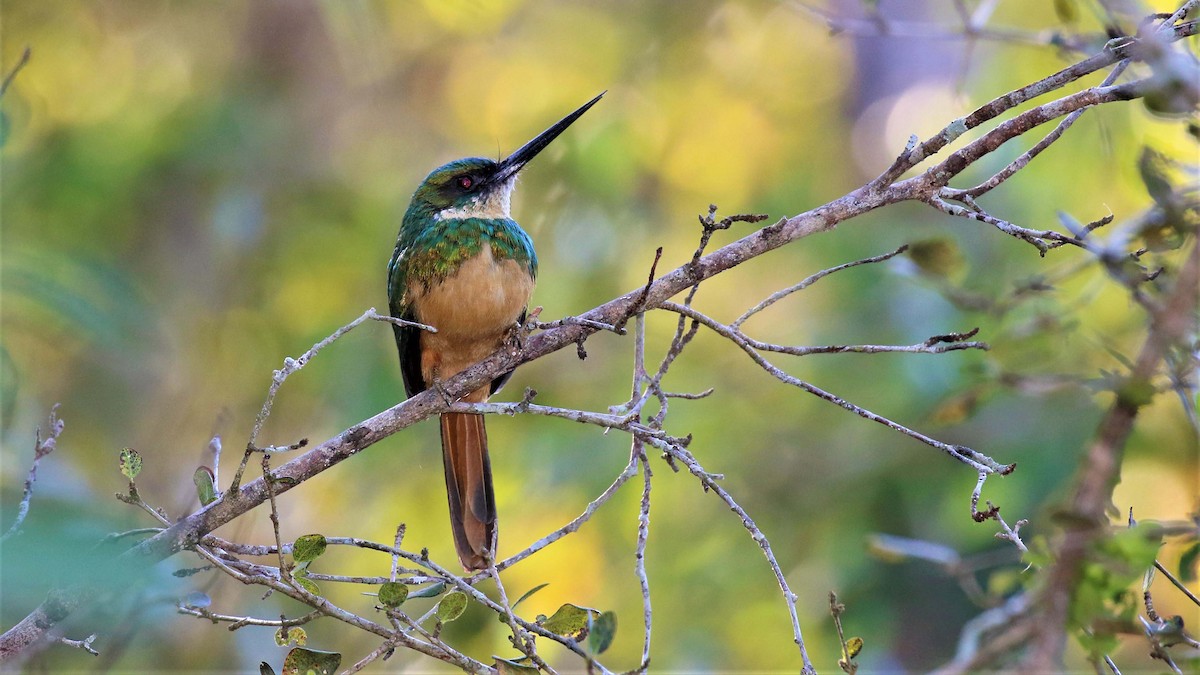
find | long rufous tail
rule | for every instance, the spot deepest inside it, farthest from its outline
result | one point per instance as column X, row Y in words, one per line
column 469, row 487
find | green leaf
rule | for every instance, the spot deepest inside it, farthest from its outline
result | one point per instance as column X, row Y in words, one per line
column 938, row 257
column 1065, row 9
column 1097, row 643
column 308, row 548
column 602, row 632
column 1136, row 547
column 131, row 463
column 307, row 584
column 570, row 621
column 1136, row 392
column 854, row 646
column 206, row 487
column 294, row 634
column 393, row 594
column 1003, row 582
column 528, row 593
column 265, row 668
column 507, row 667
column 301, row 661
column 1187, row 563
column 452, row 606
column 1155, row 169
column 431, row 591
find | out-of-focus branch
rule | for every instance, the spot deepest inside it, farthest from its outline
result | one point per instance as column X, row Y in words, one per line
column 972, row 26
column 1101, row 465
column 12, row 74
column 41, row 448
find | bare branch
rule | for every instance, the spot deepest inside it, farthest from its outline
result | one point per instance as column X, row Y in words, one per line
column 810, row 280
column 709, row 482
column 972, row 458
column 41, row 448
column 84, row 644
column 639, row 567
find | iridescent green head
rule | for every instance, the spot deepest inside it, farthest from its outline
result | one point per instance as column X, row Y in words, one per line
column 464, row 188
column 477, row 187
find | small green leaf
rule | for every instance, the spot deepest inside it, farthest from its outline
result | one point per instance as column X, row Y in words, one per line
column 1004, row 582
column 1187, row 563
column 602, row 632
column 854, row 646
column 1155, row 170
column 1136, row 546
column 265, row 668
column 515, row 667
column 528, row 593
column 570, row 621
column 393, row 594
column 307, row 584
column 301, row 661
column 131, row 463
column 206, row 487
column 452, row 606
column 1136, row 392
column 431, row 591
column 1065, row 9
column 294, row 634
column 938, row 257
column 308, row 548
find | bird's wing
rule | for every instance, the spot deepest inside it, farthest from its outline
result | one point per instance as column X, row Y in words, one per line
column 408, row 338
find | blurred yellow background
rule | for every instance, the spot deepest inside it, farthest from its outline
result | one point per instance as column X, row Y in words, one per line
column 194, row 191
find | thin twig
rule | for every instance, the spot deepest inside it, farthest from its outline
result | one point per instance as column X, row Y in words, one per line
column 1177, row 583
column 387, row 647
column 12, row 74
column 810, row 280
column 709, row 482
column 84, row 644
column 1026, row 157
column 290, row 366
column 237, row 622
column 968, row 456
column 639, row 560
column 41, row 448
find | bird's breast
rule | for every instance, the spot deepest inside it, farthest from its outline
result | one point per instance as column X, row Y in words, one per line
column 472, row 309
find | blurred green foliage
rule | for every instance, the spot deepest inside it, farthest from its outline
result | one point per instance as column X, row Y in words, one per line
column 193, row 191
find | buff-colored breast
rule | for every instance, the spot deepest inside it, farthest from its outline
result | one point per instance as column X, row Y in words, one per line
column 473, row 310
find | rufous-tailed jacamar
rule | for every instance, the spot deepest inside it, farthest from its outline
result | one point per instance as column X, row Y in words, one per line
column 463, row 266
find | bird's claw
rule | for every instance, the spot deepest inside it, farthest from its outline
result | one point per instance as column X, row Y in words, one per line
column 514, row 338
column 441, row 391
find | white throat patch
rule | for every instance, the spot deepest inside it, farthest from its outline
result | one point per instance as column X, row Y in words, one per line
column 494, row 204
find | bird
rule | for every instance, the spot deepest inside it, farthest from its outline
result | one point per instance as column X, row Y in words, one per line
column 464, row 267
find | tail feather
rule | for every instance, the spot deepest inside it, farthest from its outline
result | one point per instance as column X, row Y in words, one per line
column 469, row 487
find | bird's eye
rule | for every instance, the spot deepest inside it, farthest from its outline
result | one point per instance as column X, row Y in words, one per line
column 465, row 182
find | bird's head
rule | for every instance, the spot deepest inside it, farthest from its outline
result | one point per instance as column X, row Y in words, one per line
column 477, row 187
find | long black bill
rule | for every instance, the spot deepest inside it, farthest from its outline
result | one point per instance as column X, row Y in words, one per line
column 517, row 161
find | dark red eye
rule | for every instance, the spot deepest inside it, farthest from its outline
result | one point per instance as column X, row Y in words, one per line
column 465, row 182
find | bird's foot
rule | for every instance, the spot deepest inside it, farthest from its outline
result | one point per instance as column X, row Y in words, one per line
column 514, row 337
column 441, row 391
